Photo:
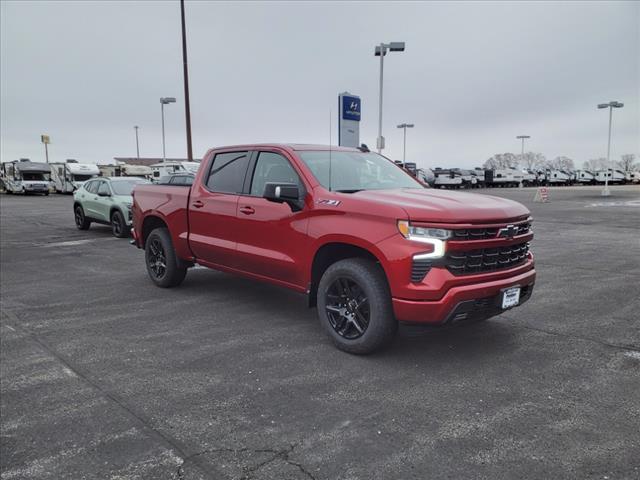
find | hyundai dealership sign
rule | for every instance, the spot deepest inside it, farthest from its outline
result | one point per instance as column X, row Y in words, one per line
column 349, row 120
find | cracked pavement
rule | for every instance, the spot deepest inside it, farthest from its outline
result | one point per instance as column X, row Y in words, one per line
column 103, row 375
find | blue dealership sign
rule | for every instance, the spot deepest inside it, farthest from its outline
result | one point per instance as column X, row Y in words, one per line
column 351, row 108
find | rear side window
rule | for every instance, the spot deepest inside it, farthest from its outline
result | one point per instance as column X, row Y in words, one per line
column 227, row 172
column 272, row 168
column 104, row 188
column 177, row 181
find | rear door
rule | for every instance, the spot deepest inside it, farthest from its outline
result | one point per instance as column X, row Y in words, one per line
column 271, row 236
column 104, row 202
column 212, row 208
column 86, row 196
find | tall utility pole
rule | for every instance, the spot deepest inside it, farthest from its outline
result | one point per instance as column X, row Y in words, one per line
column 381, row 51
column 187, row 109
column 611, row 105
column 404, row 126
column 137, row 143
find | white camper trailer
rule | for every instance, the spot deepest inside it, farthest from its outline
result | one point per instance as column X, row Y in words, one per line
column 24, row 176
column 530, row 178
column 425, row 175
column 585, row 177
column 121, row 169
column 70, row 175
column 506, row 177
column 558, row 177
column 615, row 176
column 446, row 178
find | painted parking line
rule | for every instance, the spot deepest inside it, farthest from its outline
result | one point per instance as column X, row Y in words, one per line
column 628, row 203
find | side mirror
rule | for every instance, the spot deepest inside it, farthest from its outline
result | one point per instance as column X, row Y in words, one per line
column 283, row 193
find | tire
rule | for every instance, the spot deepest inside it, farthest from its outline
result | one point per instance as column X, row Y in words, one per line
column 118, row 225
column 81, row 220
column 360, row 321
column 159, row 248
column 46, row 194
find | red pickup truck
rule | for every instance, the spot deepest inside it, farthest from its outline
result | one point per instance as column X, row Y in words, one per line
column 366, row 242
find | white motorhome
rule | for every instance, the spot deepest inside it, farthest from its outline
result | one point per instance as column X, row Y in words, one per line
column 446, row 178
column 633, row 177
column 469, row 179
column 167, row 168
column 615, row 176
column 24, row 176
column 70, row 175
column 585, row 176
column 425, row 175
column 530, row 178
column 480, row 177
column 558, row 177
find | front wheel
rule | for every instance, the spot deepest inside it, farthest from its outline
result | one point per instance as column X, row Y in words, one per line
column 81, row 220
column 163, row 265
column 118, row 225
column 354, row 306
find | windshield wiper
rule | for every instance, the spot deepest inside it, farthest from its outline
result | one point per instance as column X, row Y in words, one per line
column 352, row 190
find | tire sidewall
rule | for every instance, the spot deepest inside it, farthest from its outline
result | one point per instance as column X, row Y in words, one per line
column 382, row 324
column 117, row 216
column 173, row 274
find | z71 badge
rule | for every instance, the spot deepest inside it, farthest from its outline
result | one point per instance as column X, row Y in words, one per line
column 332, row 203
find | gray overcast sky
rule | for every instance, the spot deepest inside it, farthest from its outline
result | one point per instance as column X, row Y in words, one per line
column 474, row 76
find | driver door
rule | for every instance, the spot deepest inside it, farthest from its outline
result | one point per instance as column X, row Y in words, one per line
column 271, row 236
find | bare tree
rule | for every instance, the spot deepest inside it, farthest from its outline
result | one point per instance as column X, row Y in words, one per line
column 562, row 163
column 532, row 161
column 595, row 164
column 501, row 161
column 627, row 162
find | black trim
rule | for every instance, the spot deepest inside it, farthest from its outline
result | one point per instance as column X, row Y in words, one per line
column 483, row 308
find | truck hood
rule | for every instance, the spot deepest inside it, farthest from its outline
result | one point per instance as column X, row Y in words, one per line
column 444, row 206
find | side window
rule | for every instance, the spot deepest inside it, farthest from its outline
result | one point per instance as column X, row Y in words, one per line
column 93, row 187
column 272, row 168
column 87, row 186
column 177, row 180
column 188, row 180
column 103, row 189
column 227, row 172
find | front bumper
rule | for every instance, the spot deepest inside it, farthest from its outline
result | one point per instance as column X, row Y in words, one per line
column 464, row 302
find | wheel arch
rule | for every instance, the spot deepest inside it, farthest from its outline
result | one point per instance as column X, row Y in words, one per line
column 149, row 224
column 331, row 252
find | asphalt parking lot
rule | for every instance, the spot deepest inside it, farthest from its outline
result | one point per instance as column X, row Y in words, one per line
column 104, row 375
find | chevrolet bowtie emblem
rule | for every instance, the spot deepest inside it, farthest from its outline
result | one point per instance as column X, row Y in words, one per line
column 509, row 231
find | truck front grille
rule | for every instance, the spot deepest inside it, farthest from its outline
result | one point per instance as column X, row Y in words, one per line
column 486, row 259
column 486, row 233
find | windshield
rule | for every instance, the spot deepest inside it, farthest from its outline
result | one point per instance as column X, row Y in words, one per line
column 35, row 176
column 355, row 171
column 125, row 187
column 78, row 177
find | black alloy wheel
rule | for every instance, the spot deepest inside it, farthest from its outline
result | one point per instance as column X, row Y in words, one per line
column 347, row 308
column 157, row 259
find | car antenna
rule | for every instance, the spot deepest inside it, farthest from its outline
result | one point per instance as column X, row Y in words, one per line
column 330, row 115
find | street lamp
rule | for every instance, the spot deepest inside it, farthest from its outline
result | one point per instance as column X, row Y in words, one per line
column 611, row 105
column 522, row 137
column 381, row 51
column 163, row 102
column 136, row 127
column 404, row 127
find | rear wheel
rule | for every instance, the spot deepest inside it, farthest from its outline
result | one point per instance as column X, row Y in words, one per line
column 118, row 225
column 81, row 220
column 354, row 306
column 163, row 265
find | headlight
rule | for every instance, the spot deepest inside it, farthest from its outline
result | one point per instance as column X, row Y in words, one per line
column 433, row 238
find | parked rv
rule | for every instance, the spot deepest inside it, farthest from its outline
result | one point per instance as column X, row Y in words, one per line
column 558, row 177
column 125, row 170
column 469, row 179
column 70, row 175
column 530, row 178
column 426, row 176
column 585, row 177
column 445, row 178
column 411, row 168
column 167, row 168
column 506, row 177
column 25, row 176
column 615, row 176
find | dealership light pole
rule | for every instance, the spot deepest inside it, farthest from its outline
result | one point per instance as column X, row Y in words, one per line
column 381, row 51
column 404, row 127
column 136, row 127
column 611, row 105
column 522, row 137
column 163, row 102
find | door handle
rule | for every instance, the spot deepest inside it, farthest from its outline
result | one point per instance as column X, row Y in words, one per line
column 198, row 204
column 247, row 210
